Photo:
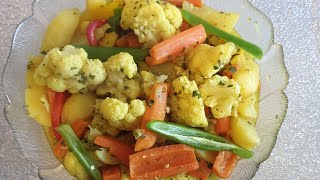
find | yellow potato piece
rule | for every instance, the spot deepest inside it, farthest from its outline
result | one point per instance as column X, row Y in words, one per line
column 243, row 133
column 100, row 9
column 222, row 20
column 34, row 97
column 61, row 29
column 74, row 167
column 78, row 106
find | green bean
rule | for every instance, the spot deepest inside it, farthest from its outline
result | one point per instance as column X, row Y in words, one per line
column 196, row 138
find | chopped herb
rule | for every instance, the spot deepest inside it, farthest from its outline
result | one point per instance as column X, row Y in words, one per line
column 249, row 123
column 30, row 65
column 230, row 85
column 233, row 69
column 151, row 102
column 110, row 30
column 43, row 52
column 277, row 116
column 221, row 83
column 121, row 69
column 126, row 88
column 196, row 94
column 73, row 68
column 138, row 133
column 215, row 67
column 92, row 76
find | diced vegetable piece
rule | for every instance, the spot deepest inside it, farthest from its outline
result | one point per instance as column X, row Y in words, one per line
column 225, row 163
column 56, row 102
column 156, row 109
column 203, row 172
column 196, row 138
column 35, row 105
column 104, row 156
column 79, row 127
column 74, row 167
column 100, row 9
column 212, row 30
column 75, row 145
column 223, row 126
column 197, row 3
column 78, row 106
column 104, row 53
column 111, row 173
column 185, row 26
column 93, row 25
column 244, row 134
column 162, row 161
column 175, row 45
column 209, row 156
column 61, row 29
column 130, row 40
column 225, row 21
column 120, row 150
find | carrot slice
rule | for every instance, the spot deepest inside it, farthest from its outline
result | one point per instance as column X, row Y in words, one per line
column 111, row 173
column 185, row 26
column 175, row 45
column 116, row 147
column 155, row 110
column 225, row 163
column 223, row 126
column 197, row 3
column 129, row 40
column 79, row 127
column 162, row 161
column 203, row 172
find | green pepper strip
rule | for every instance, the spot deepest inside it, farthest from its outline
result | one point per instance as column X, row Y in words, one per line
column 196, row 138
column 212, row 30
column 75, row 145
column 104, row 53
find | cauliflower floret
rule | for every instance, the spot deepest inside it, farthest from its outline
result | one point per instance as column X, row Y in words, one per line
column 186, row 103
column 204, row 61
column 151, row 20
column 247, row 75
column 120, row 80
column 222, row 95
column 121, row 115
column 149, row 79
column 69, row 69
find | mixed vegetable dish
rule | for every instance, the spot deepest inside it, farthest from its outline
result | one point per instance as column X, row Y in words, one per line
column 146, row 89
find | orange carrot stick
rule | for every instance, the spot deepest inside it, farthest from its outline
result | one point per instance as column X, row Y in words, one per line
column 162, row 161
column 175, row 45
column 117, row 148
column 79, row 127
column 223, row 126
column 203, row 172
column 111, row 173
column 225, row 163
column 155, row 110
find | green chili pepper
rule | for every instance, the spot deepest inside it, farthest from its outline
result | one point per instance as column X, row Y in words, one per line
column 196, row 138
column 75, row 145
column 212, row 30
column 103, row 53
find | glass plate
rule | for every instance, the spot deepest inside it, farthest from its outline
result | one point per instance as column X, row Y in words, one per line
column 253, row 26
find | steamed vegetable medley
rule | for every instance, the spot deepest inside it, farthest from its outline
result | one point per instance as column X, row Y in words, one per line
column 146, row 89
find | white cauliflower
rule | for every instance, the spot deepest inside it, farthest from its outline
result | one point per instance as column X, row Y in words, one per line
column 222, row 95
column 120, row 80
column 186, row 103
column 151, row 20
column 149, row 79
column 121, row 115
column 69, row 69
column 204, row 61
